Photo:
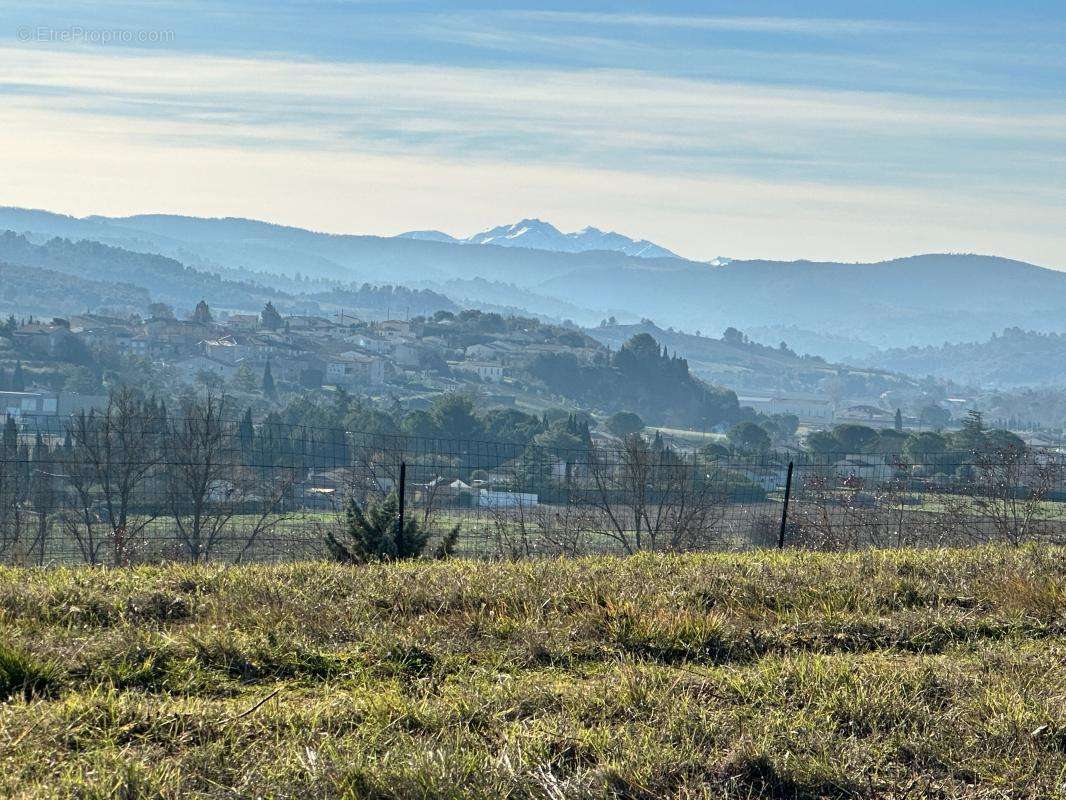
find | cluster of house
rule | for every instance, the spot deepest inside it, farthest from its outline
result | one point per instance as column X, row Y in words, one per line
column 817, row 410
column 301, row 349
column 341, row 350
column 329, row 489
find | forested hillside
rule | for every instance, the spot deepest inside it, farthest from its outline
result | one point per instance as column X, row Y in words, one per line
column 1015, row 357
column 34, row 291
column 644, row 379
column 736, row 361
column 94, row 275
column 168, row 280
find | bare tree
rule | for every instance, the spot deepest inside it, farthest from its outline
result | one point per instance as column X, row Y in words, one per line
column 268, row 495
column 650, row 500
column 521, row 528
column 78, row 508
column 202, row 490
column 1010, row 490
column 825, row 513
column 114, row 455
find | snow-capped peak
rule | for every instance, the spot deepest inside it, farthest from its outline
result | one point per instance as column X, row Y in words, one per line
column 427, row 236
column 537, row 234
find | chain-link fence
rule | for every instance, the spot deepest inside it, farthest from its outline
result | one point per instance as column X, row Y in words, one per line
column 127, row 486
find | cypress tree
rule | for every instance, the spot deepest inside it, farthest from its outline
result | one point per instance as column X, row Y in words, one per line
column 268, row 382
column 246, row 433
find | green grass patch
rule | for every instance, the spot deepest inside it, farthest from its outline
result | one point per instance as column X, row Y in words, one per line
column 24, row 675
column 880, row 674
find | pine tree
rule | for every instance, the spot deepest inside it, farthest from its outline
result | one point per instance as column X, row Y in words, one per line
column 899, row 421
column 23, row 472
column 371, row 534
column 202, row 313
column 972, row 436
column 270, row 318
column 974, row 423
column 18, row 380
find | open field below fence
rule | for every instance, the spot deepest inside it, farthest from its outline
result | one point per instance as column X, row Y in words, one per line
column 870, row 674
column 833, row 522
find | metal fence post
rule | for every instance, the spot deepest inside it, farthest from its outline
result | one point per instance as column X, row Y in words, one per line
column 400, row 520
column 784, row 508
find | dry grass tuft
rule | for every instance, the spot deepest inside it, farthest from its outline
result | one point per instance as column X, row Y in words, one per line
column 900, row 674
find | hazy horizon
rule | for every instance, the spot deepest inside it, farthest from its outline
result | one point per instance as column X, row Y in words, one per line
column 459, row 234
column 736, row 130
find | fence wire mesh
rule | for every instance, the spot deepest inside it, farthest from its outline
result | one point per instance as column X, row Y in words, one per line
column 122, row 488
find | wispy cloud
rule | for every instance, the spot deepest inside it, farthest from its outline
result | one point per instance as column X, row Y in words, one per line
column 751, row 24
column 588, row 110
column 582, row 117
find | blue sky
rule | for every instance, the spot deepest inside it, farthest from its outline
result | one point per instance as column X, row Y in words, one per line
column 818, row 130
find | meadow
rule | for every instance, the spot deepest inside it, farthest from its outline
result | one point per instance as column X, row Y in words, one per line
column 871, row 674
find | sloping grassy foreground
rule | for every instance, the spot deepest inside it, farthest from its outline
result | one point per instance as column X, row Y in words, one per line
column 879, row 674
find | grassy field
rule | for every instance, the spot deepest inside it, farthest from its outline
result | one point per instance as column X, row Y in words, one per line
column 876, row 674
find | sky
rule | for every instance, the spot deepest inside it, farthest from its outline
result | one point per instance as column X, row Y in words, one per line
column 840, row 131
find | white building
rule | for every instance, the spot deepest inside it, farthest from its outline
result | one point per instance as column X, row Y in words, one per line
column 26, row 405
column 372, row 344
column 350, row 369
column 15, row 404
column 809, row 408
column 490, row 499
column 485, row 370
column 192, row 366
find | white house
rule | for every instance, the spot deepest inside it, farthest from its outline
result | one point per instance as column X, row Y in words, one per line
column 351, row 368
column 227, row 349
column 485, row 370
column 372, row 344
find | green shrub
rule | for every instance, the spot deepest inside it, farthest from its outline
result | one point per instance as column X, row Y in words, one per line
column 371, row 534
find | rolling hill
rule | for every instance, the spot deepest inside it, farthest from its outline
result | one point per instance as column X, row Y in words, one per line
column 86, row 274
column 914, row 301
column 1011, row 359
column 34, row 291
column 746, row 366
column 168, row 280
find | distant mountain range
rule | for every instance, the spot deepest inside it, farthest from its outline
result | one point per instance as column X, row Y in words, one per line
column 854, row 308
column 536, row 234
